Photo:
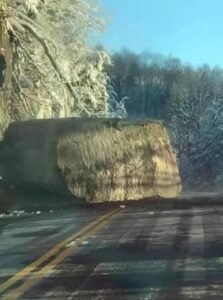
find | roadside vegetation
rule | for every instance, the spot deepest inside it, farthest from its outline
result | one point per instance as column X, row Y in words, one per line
column 188, row 100
column 51, row 70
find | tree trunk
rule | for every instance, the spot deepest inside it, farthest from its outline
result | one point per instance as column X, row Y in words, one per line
column 6, row 56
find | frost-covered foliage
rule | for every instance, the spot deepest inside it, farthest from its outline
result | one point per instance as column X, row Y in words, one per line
column 207, row 156
column 190, row 102
column 117, row 108
column 55, row 72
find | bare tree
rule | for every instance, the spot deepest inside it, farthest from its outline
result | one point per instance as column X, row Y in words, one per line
column 51, row 71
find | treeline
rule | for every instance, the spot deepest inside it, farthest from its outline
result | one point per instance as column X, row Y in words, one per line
column 190, row 102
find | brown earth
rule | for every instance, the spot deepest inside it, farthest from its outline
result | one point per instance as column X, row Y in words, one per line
column 92, row 159
column 129, row 162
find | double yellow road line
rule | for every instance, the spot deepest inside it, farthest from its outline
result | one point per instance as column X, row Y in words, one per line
column 34, row 272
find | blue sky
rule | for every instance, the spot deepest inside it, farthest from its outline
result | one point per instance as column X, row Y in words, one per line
column 189, row 29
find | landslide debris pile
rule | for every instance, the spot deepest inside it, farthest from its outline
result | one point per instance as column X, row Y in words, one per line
column 90, row 159
column 122, row 161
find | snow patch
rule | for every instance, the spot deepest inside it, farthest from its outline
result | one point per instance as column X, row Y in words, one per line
column 19, row 213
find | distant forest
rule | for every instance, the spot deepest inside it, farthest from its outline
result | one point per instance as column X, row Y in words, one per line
column 188, row 100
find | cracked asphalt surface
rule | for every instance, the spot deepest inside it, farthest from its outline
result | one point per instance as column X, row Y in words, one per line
column 142, row 253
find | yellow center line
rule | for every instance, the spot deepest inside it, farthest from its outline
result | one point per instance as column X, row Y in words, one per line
column 81, row 234
column 37, row 276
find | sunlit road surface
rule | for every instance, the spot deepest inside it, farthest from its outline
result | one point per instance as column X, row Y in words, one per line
column 132, row 253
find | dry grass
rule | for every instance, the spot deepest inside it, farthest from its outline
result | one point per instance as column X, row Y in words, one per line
column 117, row 164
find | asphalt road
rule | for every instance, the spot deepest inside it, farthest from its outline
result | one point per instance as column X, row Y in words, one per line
column 137, row 254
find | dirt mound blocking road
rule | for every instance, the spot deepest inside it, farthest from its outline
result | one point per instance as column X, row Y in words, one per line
column 125, row 161
column 91, row 159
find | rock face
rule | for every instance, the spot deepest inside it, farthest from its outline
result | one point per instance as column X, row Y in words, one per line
column 96, row 160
